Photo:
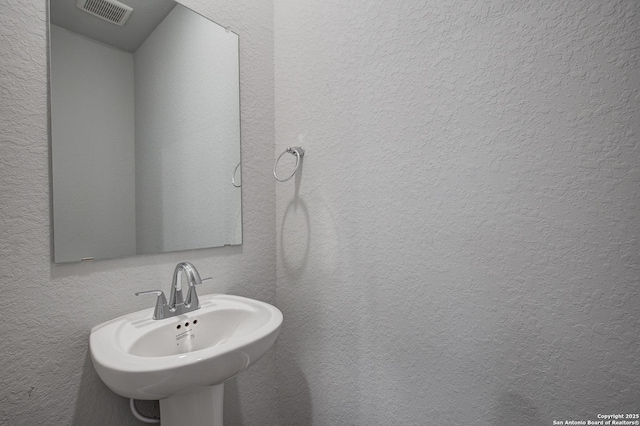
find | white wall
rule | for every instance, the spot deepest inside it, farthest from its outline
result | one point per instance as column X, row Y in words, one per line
column 48, row 309
column 462, row 245
column 93, row 163
column 187, row 135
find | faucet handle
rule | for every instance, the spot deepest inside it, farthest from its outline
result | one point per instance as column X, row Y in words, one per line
column 161, row 302
column 156, row 292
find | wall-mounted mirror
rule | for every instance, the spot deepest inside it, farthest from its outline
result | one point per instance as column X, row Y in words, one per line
column 145, row 129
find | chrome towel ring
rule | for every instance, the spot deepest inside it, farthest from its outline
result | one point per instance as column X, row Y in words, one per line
column 233, row 178
column 295, row 150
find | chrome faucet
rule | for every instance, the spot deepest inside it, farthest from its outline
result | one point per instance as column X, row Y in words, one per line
column 177, row 303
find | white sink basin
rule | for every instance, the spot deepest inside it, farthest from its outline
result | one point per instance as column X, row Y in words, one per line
column 138, row 357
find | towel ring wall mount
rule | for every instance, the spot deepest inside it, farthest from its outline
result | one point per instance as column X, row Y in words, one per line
column 298, row 151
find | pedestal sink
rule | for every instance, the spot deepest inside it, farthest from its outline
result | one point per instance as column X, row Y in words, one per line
column 183, row 361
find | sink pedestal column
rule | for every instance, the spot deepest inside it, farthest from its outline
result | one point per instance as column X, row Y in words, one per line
column 200, row 407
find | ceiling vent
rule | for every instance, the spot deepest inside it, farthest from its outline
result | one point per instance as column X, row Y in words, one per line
column 109, row 10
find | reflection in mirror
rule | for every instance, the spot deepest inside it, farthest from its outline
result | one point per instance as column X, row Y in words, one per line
column 145, row 131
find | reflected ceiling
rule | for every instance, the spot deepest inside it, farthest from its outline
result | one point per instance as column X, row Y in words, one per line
column 145, row 18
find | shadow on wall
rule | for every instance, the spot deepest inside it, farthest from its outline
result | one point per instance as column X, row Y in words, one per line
column 294, row 258
column 512, row 408
column 297, row 389
column 97, row 405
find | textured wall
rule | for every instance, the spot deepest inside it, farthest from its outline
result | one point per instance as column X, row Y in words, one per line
column 47, row 310
column 462, row 245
